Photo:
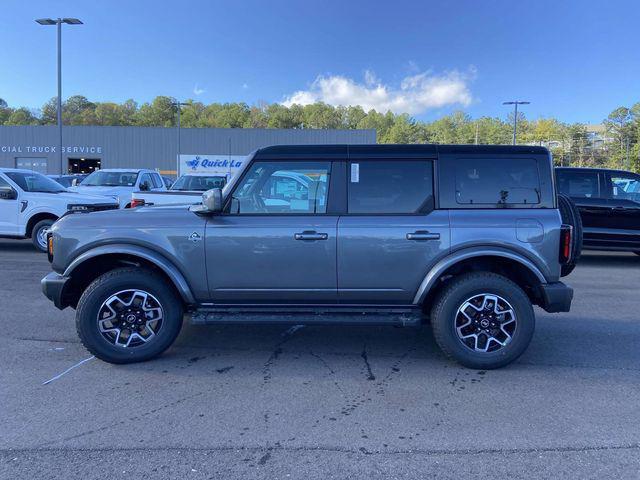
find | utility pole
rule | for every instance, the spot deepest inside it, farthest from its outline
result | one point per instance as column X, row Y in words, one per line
column 58, row 22
column 178, row 106
column 476, row 132
column 515, row 103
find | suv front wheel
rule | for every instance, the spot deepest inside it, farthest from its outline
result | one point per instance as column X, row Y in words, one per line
column 128, row 315
column 483, row 320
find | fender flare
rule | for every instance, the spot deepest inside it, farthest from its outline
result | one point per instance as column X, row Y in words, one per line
column 456, row 257
column 156, row 258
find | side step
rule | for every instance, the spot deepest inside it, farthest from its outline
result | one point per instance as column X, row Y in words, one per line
column 279, row 315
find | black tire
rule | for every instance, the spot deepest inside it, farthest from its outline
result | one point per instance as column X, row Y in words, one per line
column 36, row 234
column 454, row 295
column 116, row 281
column 571, row 216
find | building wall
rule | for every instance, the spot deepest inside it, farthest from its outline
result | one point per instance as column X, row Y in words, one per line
column 153, row 147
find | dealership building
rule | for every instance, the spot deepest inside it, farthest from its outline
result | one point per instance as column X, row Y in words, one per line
column 86, row 148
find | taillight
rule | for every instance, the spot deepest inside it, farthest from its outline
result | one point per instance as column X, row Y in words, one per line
column 566, row 234
column 137, row 202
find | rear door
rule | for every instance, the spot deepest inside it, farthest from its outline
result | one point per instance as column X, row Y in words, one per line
column 586, row 189
column 391, row 233
column 624, row 193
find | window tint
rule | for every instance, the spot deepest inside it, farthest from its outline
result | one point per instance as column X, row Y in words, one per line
column 35, row 182
column 394, row 186
column 157, row 181
column 492, row 181
column 283, row 188
column 4, row 183
column 625, row 187
column 578, row 184
column 146, row 178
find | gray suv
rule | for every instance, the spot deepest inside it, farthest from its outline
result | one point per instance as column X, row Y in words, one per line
column 466, row 237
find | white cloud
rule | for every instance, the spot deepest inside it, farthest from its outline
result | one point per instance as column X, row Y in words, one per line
column 245, row 86
column 416, row 93
column 197, row 90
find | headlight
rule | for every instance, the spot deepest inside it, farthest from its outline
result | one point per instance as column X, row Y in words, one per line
column 77, row 208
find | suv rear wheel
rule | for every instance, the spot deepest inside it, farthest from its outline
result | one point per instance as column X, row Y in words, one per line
column 483, row 320
column 128, row 315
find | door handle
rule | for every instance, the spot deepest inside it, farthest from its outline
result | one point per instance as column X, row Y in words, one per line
column 311, row 235
column 422, row 235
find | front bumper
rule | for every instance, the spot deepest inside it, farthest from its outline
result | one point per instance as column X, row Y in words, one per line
column 53, row 288
column 556, row 297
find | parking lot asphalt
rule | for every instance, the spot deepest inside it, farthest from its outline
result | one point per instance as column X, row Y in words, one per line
column 322, row 402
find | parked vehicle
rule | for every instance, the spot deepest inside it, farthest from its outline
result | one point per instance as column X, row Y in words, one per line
column 609, row 204
column 119, row 183
column 187, row 190
column 68, row 180
column 31, row 202
column 469, row 237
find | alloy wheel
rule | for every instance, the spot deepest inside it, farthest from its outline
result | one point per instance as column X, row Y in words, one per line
column 130, row 318
column 485, row 323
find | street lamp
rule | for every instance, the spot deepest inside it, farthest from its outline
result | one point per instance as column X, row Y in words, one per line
column 59, row 22
column 515, row 103
column 178, row 106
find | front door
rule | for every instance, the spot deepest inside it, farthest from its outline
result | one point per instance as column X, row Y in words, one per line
column 624, row 201
column 9, row 208
column 391, row 235
column 275, row 243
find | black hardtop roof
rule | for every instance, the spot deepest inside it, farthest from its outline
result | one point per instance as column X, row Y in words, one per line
column 392, row 150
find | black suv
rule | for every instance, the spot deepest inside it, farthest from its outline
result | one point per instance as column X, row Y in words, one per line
column 609, row 204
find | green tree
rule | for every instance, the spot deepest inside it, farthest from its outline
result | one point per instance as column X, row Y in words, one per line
column 21, row 116
column 161, row 112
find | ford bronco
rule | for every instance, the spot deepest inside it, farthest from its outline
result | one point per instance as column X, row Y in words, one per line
column 468, row 238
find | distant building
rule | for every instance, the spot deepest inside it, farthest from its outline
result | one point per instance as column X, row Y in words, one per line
column 86, row 148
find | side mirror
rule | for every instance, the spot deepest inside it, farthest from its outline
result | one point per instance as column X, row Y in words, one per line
column 8, row 193
column 212, row 200
column 144, row 187
column 74, row 182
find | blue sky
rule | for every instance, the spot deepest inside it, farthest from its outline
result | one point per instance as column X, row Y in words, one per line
column 575, row 60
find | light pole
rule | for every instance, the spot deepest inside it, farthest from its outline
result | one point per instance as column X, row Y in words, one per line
column 58, row 22
column 515, row 103
column 178, row 106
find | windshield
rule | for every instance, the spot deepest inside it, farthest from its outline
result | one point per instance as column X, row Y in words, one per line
column 35, row 182
column 103, row 178
column 198, row 183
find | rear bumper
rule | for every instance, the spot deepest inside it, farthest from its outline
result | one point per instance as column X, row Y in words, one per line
column 53, row 288
column 556, row 297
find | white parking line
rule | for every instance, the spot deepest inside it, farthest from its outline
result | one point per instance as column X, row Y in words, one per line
column 68, row 370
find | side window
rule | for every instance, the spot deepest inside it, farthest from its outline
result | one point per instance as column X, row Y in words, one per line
column 390, row 187
column 578, row 184
column 492, row 182
column 157, row 181
column 283, row 188
column 4, row 183
column 146, row 178
column 625, row 187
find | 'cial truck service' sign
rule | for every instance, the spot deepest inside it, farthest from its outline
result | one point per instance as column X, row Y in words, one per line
column 226, row 165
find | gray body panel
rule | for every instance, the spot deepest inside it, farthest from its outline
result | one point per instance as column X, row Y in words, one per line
column 378, row 264
column 256, row 259
column 163, row 233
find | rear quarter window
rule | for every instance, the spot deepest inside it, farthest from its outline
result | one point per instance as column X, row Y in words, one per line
column 505, row 181
column 578, row 184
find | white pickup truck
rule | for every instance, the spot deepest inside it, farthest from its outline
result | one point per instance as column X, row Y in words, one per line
column 186, row 190
column 30, row 203
column 120, row 183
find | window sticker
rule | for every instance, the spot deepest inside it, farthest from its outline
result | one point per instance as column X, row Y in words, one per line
column 355, row 173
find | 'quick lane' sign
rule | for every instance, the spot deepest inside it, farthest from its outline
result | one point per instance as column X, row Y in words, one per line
column 213, row 164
